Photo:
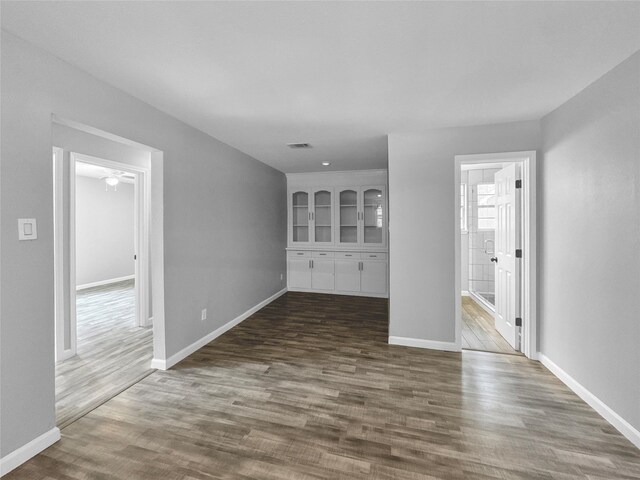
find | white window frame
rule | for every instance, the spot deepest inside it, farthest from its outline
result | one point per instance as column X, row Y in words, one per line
column 479, row 206
column 464, row 212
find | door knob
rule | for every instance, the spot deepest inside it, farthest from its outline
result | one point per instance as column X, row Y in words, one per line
column 494, row 259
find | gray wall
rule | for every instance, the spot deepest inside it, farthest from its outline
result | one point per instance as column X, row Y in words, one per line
column 104, row 231
column 589, row 239
column 224, row 224
column 423, row 213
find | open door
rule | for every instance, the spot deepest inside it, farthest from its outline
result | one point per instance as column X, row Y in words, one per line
column 507, row 263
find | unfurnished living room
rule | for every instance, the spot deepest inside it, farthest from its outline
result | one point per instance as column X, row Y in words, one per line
column 319, row 240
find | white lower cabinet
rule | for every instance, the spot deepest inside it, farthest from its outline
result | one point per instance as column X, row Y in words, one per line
column 322, row 274
column 356, row 273
column 373, row 277
column 347, row 275
column 299, row 272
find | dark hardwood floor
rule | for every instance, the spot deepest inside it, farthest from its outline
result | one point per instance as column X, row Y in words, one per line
column 308, row 388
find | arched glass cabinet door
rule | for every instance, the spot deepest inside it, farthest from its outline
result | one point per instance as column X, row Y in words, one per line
column 373, row 221
column 322, row 224
column 348, row 217
column 301, row 216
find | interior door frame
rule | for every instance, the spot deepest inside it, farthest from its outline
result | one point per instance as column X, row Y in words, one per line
column 142, row 197
column 528, row 286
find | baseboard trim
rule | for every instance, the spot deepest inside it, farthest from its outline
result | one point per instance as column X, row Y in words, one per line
column 420, row 343
column 105, row 282
column 620, row 424
column 29, row 450
column 337, row 292
column 161, row 364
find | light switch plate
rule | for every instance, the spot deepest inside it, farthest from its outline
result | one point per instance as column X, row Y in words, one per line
column 27, row 229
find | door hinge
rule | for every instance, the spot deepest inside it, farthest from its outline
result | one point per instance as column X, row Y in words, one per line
column 518, row 321
column 135, row 257
column 518, row 253
column 518, row 183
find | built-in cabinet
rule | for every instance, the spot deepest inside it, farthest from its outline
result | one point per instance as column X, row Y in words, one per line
column 345, row 216
column 337, row 233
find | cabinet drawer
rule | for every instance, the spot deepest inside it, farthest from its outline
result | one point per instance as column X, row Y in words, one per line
column 375, row 256
column 348, row 255
column 298, row 254
column 322, row 254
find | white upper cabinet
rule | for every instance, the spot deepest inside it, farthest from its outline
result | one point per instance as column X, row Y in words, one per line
column 373, row 217
column 361, row 216
column 348, row 216
column 300, row 217
column 322, row 216
column 338, row 210
column 311, row 217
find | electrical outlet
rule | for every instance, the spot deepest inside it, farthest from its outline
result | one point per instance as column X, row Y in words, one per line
column 203, row 317
column 281, row 276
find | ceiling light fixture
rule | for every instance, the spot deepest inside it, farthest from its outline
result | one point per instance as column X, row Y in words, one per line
column 326, row 164
column 299, row 145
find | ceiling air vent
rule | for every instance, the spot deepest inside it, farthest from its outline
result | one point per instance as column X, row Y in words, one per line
column 299, row 145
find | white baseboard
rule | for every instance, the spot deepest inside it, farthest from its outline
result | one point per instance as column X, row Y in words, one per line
column 105, row 282
column 624, row 427
column 31, row 449
column 337, row 292
column 420, row 343
column 161, row 364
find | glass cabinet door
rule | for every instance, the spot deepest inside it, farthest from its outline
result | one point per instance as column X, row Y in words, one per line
column 373, row 216
column 348, row 216
column 301, row 217
column 322, row 216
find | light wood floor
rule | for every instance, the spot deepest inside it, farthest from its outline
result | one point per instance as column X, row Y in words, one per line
column 478, row 330
column 309, row 388
column 112, row 354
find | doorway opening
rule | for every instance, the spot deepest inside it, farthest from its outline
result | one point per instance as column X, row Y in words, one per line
column 495, row 253
column 107, row 331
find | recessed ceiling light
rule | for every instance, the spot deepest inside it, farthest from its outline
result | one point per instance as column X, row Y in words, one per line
column 326, row 164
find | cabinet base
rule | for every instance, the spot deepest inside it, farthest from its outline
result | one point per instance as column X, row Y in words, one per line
column 335, row 292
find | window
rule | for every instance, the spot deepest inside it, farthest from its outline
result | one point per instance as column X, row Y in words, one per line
column 486, row 206
column 463, row 208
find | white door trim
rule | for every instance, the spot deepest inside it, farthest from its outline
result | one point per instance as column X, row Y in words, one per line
column 527, row 159
column 140, row 231
column 60, row 293
column 142, row 206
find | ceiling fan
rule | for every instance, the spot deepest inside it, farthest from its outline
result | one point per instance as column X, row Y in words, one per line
column 112, row 178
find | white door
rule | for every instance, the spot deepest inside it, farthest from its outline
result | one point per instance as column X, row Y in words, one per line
column 507, row 264
column 322, row 277
column 300, row 272
column 347, row 275
column 373, row 277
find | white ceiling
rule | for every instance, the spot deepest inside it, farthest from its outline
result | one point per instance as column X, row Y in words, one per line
column 95, row 171
column 339, row 75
